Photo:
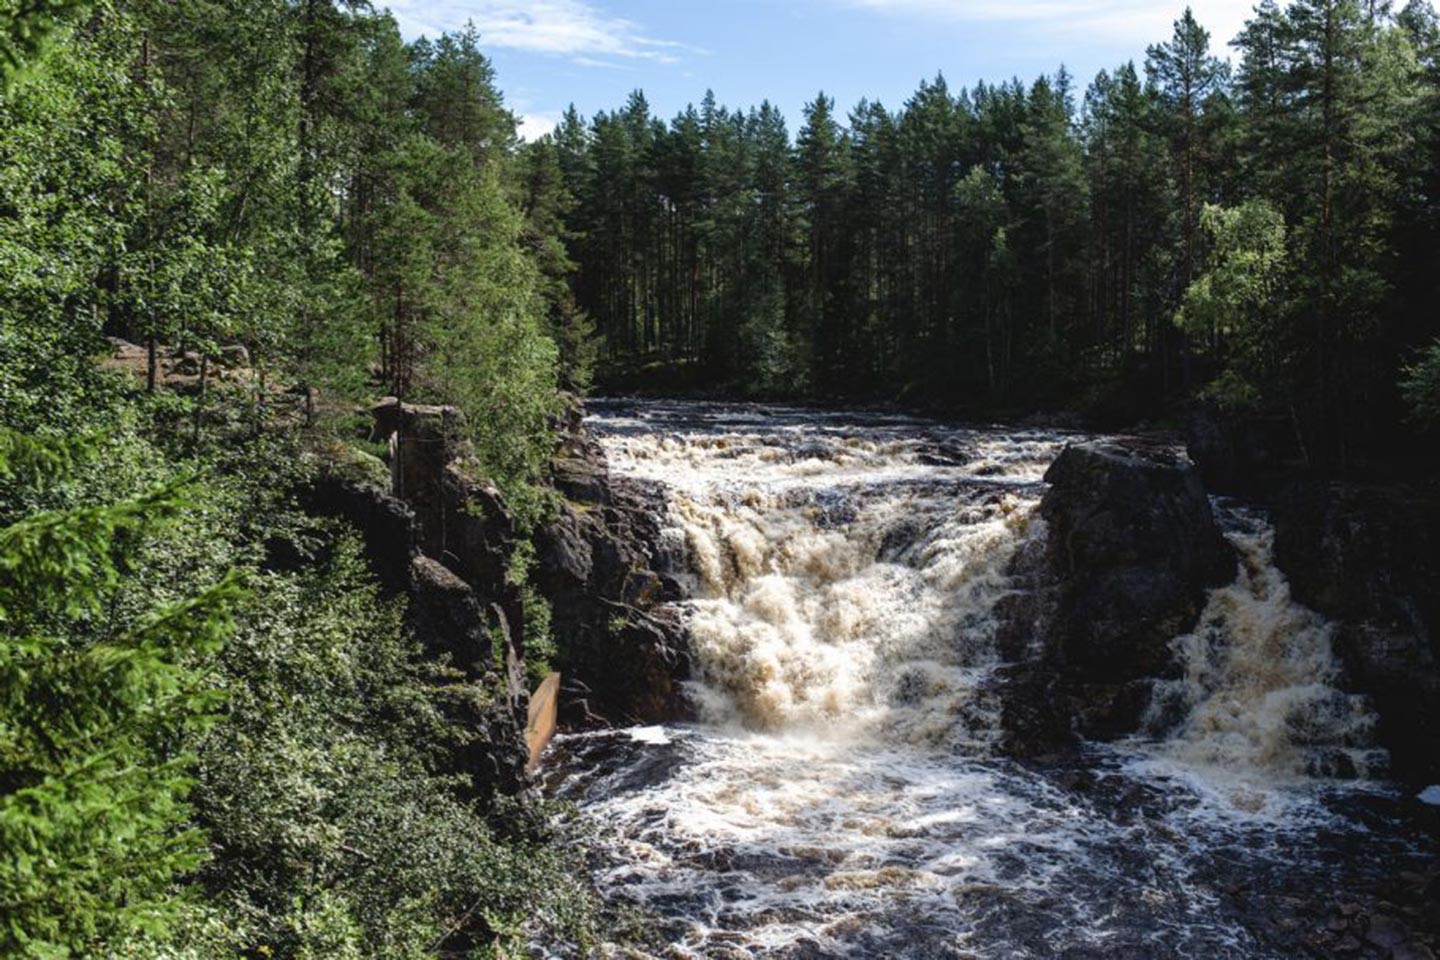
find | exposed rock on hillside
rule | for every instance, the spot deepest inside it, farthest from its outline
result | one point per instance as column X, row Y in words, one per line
column 445, row 540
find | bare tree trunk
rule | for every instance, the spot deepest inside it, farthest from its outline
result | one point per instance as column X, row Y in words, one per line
column 200, row 401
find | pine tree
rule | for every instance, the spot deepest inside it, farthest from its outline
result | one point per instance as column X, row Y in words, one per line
column 1054, row 205
column 932, row 132
column 877, row 223
column 822, row 174
column 457, row 99
column 1185, row 75
column 1127, row 163
column 547, row 203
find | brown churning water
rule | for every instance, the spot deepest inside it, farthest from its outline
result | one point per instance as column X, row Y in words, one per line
column 840, row 795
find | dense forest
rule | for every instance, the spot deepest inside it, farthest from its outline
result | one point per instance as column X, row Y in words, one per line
column 218, row 733
column 1263, row 233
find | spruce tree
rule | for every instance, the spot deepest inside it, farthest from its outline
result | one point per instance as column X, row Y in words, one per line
column 93, row 818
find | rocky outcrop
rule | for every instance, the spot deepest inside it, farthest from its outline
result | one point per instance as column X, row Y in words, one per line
column 1369, row 557
column 445, row 539
column 387, row 525
column 605, row 569
column 1131, row 549
column 1132, row 535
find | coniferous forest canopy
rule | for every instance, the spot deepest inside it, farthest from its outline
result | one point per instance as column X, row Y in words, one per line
column 1257, row 226
column 218, row 733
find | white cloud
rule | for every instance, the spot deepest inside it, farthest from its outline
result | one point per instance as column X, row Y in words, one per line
column 600, row 64
column 576, row 29
column 533, row 126
column 1138, row 21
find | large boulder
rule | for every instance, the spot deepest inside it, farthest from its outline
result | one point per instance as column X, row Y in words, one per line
column 1132, row 534
column 1130, row 551
column 387, row 526
column 1369, row 557
column 447, row 617
column 424, row 442
column 461, row 520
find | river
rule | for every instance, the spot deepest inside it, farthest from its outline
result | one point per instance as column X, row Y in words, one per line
column 840, row 794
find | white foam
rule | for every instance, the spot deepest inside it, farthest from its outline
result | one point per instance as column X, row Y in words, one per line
column 1260, row 693
column 655, row 735
column 1430, row 795
column 843, row 575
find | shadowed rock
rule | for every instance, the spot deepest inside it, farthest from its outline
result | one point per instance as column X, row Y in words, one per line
column 602, row 566
column 1131, row 550
column 445, row 539
column 1369, row 557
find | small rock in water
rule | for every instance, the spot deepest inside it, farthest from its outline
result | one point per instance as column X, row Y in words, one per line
column 1430, row 795
column 1412, row 951
column 1387, row 932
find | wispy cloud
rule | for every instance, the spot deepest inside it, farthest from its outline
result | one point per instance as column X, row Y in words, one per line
column 600, row 64
column 1141, row 21
column 575, row 29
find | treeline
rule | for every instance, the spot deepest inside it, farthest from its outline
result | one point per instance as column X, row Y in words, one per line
column 218, row 737
column 1266, row 231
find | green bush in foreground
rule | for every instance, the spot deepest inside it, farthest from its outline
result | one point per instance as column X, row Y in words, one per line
column 93, row 703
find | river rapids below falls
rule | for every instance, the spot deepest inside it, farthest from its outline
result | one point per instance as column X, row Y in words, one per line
column 840, row 793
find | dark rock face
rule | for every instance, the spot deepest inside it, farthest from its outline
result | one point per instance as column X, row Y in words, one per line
column 1247, row 456
column 1370, row 558
column 386, row 524
column 445, row 540
column 604, row 569
column 1131, row 549
column 1132, row 533
column 447, row 617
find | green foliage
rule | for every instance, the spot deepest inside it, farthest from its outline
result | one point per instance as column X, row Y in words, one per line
column 26, row 27
column 354, row 210
column 1236, row 307
column 94, row 691
column 1421, row 385
column 322, row 790
column 484, row 347
column 293, row 178
column 996, row 246
column 547, row 203
column 328, row 816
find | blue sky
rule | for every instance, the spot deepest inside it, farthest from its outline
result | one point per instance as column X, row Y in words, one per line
column 550, row 53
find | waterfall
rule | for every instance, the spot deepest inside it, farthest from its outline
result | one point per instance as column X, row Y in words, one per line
column 844, row 577
column 1260, row 685
column 841, row 794
column 844, row 573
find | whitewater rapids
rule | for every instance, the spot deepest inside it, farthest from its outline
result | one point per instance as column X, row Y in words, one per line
column 840, row 794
